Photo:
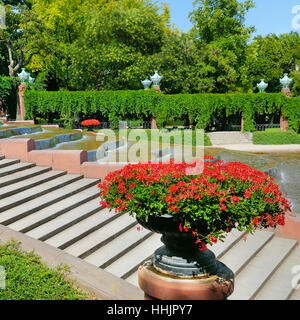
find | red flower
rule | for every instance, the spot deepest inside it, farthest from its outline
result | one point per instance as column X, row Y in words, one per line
column 280, row 219
column 90, row 122
column 235, row 198
column 129, row 196
column 255, row 220
column 223, row 206
column 196, row 199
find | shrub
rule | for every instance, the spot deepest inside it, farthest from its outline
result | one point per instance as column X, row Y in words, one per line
column 276, row 138
column 8, row 94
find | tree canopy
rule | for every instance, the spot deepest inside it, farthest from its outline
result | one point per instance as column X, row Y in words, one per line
column 114, row 44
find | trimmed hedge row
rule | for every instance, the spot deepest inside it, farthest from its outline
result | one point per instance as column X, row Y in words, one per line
column 267, row 138
column 198, row 109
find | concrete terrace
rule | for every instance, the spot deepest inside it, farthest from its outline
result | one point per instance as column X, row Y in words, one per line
column 58, row 214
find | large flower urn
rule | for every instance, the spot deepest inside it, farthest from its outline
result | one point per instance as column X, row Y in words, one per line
column 179, row 270
column 192, row 210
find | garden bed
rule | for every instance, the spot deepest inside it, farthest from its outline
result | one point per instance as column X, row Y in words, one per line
column 28, row 279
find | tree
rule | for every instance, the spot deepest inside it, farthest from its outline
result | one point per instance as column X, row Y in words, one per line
column 272, row 56
column 100, row 44
column 22, row 35
column 221, row 38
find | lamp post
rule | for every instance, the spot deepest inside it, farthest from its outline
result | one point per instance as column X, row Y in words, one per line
column 285, row 81
column 30, row 80
column 23, row 75
column 262, row 86
column 156, row 79
column 146, row 83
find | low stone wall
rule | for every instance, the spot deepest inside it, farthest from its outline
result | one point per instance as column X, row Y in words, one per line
column 73, row 161
column 102, row 284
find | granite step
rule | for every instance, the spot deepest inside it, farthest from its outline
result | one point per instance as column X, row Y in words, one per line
column 244, row 250
column 18, row 187
column 279, row 285
column 49, row 221
column 80, row 230
column 8, row 170
column 8, row 162
column 129, row 263
column 101, row 237
column 22, row 175
column 261, row 267
column 116, row 248
column 32, row 193
column 18, row 212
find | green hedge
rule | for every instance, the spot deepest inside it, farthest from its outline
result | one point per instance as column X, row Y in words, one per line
column 268, row 138
column 197, row 108
column 291, row 110
column 8, row 94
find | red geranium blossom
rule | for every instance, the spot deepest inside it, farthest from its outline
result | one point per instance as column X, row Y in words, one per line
column 90, row 122
column 208, row 205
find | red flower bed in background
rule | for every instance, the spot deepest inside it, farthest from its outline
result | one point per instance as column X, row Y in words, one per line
column 224, row 196
column 90, row 122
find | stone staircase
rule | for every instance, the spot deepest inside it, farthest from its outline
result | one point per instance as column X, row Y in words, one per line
column 229, row 137
column 63, row 210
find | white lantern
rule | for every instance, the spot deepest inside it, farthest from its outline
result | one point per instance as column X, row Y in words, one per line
column 146, row 83
column 156, row 78
column 30, row 80
column 285, row 81
column 23, row 75
column 262, row 86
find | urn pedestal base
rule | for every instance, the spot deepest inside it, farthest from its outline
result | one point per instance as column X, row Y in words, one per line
column 161, row 286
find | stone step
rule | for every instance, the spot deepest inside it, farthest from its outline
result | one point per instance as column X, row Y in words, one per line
column 126, row 265
column 221, row 138
column 73, row 234
column 5, row 171
column 42, row 189
column 296, row 293
column 22, row 175
column 133, row 279
column 49, row 221
column 279, row 285
column 8, row 162
column 261, row 267
column 240, row 254
column 101, row 237
column 23, row 210
column 220, row 248
column 109, row 253
column 18, row 187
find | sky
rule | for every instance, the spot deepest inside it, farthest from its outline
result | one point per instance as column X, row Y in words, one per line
column 268, row 16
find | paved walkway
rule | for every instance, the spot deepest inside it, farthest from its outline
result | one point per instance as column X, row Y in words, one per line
column 260, row 148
